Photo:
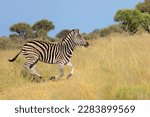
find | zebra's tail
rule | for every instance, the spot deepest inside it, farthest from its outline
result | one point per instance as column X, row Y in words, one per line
column 15, row 57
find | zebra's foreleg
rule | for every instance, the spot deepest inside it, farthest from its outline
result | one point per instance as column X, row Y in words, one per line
column 72, row 70
column 61, row 73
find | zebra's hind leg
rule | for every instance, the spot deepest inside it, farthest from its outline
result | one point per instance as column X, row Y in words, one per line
column 71, row 73
column 30, row 66
column 36, row 76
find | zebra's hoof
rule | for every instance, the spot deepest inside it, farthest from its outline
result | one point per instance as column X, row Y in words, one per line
column 37, row 79
column 52, row 78
column 69, row 75
column 41, row 79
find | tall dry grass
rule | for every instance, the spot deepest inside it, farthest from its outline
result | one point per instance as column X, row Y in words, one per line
column 113, row 68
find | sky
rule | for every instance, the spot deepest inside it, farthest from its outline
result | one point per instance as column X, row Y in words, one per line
column 85, row 15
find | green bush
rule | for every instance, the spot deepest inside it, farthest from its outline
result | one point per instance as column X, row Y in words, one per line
column 146, row 22
column 9, row 43
column 6, row 43
column 90, row 36
column 97, row 33
column 13, row 36
column 110, row 30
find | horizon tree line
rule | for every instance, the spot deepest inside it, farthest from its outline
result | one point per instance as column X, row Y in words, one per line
column 130, row 20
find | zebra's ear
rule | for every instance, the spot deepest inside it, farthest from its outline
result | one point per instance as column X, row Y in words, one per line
column 77, row 30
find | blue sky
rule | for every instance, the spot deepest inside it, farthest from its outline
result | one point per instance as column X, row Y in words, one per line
column 86, row 15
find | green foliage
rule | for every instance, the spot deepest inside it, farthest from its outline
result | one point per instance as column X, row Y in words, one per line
column 42, row 27
column 103, row 32
column 146, row 21
column 6, row 43
column 38, row 30
column 62, row 33
column 42, row 34
column 130, row 20
column 111, row 29
column 90, row 36
column 30, row 34
column 13, row 36
column 51, row 39
column 144, row 7
column 20, row 28
column 16, row 43
column 147, row 0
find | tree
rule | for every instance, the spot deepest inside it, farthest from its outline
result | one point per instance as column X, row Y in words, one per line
column 20, row 28
column 147, row 0
column 144, row 7
column 63, row 33
column 146, row 21
column 13, row 36
column 30, row 34
column 42, row 34
column 130, row 20
column 42, row 27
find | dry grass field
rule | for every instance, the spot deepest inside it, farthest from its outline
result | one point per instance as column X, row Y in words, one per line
column 111, row 68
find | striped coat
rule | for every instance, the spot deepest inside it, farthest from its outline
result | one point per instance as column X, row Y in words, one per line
column 52, row 53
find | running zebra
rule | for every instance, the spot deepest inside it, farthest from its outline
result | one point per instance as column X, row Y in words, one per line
column 52, row 53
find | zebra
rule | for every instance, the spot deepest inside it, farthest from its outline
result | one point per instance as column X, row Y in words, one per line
column 53, row 53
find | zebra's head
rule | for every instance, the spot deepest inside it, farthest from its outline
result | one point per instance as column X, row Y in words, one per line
column 78, row 39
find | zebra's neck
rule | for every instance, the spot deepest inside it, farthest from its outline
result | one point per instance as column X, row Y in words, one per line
column 69, row 45
column 68, row 41
column 67, row 48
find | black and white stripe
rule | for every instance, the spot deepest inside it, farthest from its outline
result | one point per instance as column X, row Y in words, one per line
column 52, row 53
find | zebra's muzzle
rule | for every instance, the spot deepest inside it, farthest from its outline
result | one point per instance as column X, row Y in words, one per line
column 86, row 45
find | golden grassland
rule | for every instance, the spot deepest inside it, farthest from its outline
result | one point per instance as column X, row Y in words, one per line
column 111, row 68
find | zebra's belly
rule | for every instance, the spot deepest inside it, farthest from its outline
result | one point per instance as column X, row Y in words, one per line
column 54, row 61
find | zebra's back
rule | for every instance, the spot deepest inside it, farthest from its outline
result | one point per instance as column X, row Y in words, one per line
column 43, row 51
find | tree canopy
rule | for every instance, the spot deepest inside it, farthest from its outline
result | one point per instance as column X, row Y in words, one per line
column 20, row 28
column 146, row 21
column 130, row 19
column 38, row 30
column 43, row 25
column 144, row 6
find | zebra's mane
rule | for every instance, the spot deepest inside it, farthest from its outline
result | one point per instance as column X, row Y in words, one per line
column 69, row 35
